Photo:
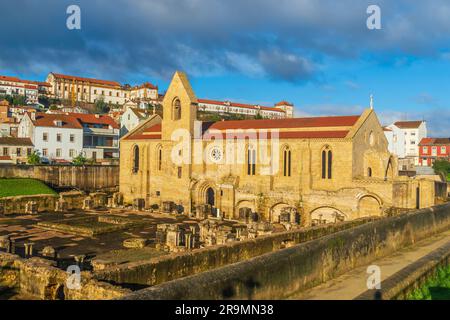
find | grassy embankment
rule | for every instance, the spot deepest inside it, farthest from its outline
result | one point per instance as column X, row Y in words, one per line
column 437, row 288
column 23, row 187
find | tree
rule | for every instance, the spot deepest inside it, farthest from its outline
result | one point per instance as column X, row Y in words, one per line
column 79, row 160
column 53, row 107
column 101, row 106
column 19, row 100
column 34, row 158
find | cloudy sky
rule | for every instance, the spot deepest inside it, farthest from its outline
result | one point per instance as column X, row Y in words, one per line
column 318, row 54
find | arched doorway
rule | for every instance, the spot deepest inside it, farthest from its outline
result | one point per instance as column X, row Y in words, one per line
column 210, row 197
column 369, row 206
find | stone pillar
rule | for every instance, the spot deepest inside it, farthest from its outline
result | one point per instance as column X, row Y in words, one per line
column 187, row 240
column 88, row 203
column 31, row 207
column 28, row 249
column 61, row 206
column 5, row 243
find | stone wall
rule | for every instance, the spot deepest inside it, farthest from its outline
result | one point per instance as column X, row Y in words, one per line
column 415, row 275
column 18, row 204
column 87, row 178
column 43, row 202
column 38, row 278
column 279, row 274
column 169, row 267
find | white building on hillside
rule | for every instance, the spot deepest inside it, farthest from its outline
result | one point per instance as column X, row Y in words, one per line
column 404, row 139
column 60, row 137
column 131, row 118
column 281, row 110
column 13, row 85
column 57, row 137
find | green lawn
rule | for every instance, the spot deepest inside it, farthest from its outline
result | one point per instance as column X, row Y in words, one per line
column 22, row 187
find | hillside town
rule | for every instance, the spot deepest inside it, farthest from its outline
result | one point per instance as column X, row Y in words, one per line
column 70, row 117
column 91, row 178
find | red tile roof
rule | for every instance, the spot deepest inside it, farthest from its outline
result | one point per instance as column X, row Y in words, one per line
column 289, row 135
column 49, row 120
column 147, row 85
column 336, row 121
column 95, row 119
column 10, row 141
column 284, row 103
column 408, row 124
column 91, row 80
column 434, row 141
column 295, row 123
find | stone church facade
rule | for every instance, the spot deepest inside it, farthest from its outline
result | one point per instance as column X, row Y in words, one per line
column 306, row 170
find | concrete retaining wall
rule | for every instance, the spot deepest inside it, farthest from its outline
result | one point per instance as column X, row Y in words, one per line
column 414, row 276
column 282, row 273
column 87, row 178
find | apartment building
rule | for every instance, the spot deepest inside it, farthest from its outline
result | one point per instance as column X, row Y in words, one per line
column 60, row 137
column 90, row 90
column 404, row 138
column 14, row 85
column 131, row 118
column 431, row 149
column 15, row 150
column 281, row 110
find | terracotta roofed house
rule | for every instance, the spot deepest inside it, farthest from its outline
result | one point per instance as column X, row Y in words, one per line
column 15, row 150
column 431, row 149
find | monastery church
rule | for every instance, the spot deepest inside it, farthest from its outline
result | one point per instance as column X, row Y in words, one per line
column 304, row 171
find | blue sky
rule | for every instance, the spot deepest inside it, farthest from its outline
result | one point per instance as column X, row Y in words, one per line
column 318, row 54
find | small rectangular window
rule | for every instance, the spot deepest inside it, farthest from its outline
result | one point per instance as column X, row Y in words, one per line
column 180, row 172
column 58, row 137
column 72, row 138
column 45, row 136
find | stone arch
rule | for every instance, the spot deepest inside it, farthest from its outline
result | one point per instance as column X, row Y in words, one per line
column 244, row 204
column 389, row 173
column 281, row 211
column 324, row 215
column 202, row 190
column 368, row 206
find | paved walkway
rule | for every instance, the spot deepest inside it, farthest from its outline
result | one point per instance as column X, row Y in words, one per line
column 353, row 283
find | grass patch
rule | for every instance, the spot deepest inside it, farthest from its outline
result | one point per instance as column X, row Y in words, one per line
column 23, row 187
column 436, row 288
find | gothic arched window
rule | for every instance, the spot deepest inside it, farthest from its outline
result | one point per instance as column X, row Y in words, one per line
column 135, row 159
column 286, row 162
column 327, row 163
